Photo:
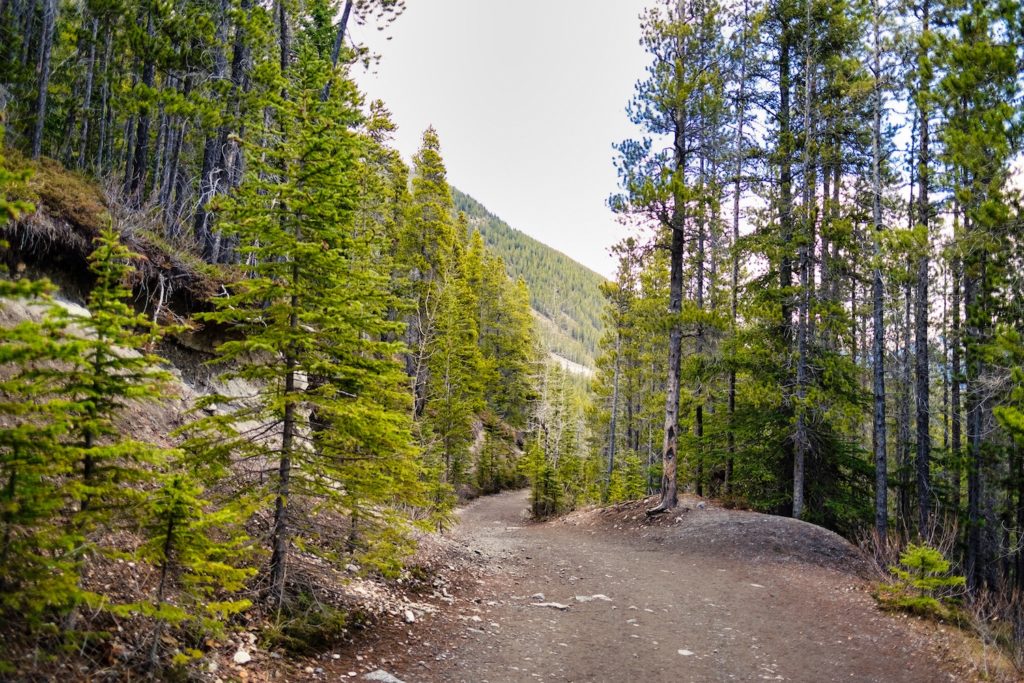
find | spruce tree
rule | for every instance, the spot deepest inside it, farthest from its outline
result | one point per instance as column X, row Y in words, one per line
column 666, row 187
column 113, row 367
column 38, row 563
column 197, row 552
column 37, row 573
column 311, row 325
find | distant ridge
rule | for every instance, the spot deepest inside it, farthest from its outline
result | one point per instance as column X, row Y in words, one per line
column 565, row 295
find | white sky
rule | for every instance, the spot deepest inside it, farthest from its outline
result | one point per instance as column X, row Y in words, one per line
column 527, row 97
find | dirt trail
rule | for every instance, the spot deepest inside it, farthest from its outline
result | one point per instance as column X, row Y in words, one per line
column 677, row 609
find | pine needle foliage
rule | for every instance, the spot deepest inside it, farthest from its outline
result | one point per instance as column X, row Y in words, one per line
column 310, row 327
column 37, row 571
column 197, row 551
column 111, row 369
column 923, row 584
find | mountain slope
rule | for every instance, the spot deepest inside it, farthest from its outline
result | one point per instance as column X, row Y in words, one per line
column 565, row 295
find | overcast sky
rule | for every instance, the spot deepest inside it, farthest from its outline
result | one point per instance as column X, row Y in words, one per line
column 527, row 97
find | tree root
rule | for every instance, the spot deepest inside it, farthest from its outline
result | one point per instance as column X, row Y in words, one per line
column 659, row 509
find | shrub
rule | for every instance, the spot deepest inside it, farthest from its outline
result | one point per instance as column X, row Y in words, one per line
column 923, row 583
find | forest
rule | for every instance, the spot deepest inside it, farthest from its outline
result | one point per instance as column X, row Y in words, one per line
column 209, row 172
column 826, row 203
column 817, row 311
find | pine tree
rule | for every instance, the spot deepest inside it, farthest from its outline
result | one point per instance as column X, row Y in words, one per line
column 37, row 572
column 667, row 187
column 112, row 368
column 978, row 87
column 454, row 393
column 426, row 253
column 68, row 468
column 197, row 552
column 312, row 321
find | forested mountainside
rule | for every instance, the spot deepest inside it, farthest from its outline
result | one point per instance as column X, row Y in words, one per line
column 565, row 294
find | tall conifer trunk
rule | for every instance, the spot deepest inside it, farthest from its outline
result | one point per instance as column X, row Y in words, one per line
column 43, row 74
column 281, row 528
column 801, row 441
column 741, row 115
column 956, row 428
column 140, row 163
column 90, row 71
column 921, row 369
column 614, row 416
column 669, row 495
column 877, row 301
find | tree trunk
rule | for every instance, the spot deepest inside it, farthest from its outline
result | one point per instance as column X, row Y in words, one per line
column 741, row 116
column 43, row 74
column 106, row 116
column 903, row 416
column 974, row 425
column 669, row 495
column 213, row 167
column 698, row 412
column 140, row 165
column 801, row 442
column 785, row 150
column 921, row 312
column 279, row 534
column 339, row 38
column 614, row 415
column 83, row 145
column 956, row 429
column 877, row 300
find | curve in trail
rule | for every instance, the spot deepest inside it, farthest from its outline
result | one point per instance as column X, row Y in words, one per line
column 652, row 610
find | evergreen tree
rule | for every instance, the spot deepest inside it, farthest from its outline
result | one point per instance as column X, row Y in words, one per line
column 312, row 321
column 198, row 551
column 668, row 187
column 112, row 368
column 38, row 572
column 978, row 87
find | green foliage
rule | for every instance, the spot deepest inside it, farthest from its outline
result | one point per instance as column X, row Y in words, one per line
column 199, row 553
column 496, row 466
column 333, row 248
column 545, row 487
column 306, row 626
column 68, row 469
column 38, row 566
column 629, row 479
column 923, row 583
column 11, row 182
column 312, row 328
column 556, row 462
column 1011, row 413
column 110, row 371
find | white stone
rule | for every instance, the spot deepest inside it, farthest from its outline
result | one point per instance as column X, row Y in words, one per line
column 381, row 676
column 554, row 605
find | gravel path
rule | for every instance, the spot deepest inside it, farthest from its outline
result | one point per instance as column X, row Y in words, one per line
column 663, row 606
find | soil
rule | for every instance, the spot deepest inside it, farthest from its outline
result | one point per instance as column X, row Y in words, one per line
column 700, row 594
